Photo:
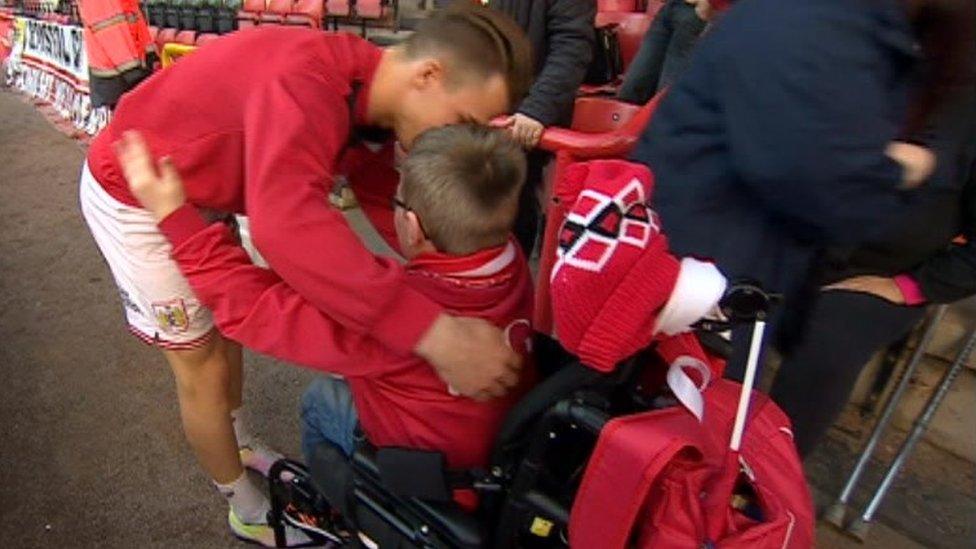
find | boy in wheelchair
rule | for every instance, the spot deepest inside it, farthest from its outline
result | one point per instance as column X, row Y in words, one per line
column 623, row 308
column 616, row 289
column 453, row 214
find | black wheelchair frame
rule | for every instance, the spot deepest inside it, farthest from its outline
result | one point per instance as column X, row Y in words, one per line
column 539, row 457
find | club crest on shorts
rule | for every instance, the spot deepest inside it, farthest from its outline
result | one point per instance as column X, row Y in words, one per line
column 171, row 316
column 599, row 223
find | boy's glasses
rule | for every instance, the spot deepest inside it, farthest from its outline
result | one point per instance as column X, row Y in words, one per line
column 397, row 202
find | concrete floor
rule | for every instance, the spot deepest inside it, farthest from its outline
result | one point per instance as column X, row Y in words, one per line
column 91, row 453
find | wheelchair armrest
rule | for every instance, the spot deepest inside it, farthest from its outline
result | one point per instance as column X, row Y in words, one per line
column 447, row 519
column 364, row 463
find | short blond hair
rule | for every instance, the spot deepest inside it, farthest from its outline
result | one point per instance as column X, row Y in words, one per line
column 463, row 181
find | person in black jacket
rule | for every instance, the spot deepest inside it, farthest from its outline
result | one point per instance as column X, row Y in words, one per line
column 877, row 293
column 665, row 50
column 562, row 36
column 785, row 136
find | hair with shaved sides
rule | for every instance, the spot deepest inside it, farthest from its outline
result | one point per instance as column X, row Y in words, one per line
column 476, row 43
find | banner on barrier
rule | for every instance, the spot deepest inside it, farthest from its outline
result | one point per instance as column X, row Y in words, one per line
column 47, row 61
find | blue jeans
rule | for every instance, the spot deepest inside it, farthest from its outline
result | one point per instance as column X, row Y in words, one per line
column 328, row 415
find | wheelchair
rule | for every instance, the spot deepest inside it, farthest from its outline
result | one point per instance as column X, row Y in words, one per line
column 400, row 498
column 397, row 498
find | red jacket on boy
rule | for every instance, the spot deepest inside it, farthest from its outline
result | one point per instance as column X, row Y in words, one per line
column 399, row 398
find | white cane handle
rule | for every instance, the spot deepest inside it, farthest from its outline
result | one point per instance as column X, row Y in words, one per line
column 755, row 346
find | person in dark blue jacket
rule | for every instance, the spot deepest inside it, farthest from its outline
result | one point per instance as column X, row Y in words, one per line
column 875, row 294
column 784, row 136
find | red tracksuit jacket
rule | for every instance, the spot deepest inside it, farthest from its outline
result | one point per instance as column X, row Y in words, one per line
column 255, row 123
column 400, row 399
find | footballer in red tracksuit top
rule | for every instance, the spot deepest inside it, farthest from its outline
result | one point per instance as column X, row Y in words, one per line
column 399, row 398
column 263, row 136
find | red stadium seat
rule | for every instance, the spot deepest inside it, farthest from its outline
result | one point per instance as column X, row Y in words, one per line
column 206, row 38
column 603, row 6
column 275, row 11
column 631, row 28
column 186, row 37
column 596, row 115
column 165, row 36
column 254, row 6
column 602, row 128
column 306, row 12
column 336, row 9
column 250, row 13
column 369, row 9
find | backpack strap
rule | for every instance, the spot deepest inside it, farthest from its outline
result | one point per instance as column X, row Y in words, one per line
column 630, row 457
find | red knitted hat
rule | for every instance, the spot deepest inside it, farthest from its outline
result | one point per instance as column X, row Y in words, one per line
column 614, row 278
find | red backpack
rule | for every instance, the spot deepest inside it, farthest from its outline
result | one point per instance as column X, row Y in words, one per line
column 664, row 479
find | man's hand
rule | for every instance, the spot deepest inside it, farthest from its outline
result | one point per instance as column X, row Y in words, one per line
column 523, row 129
column 879, row 286
column 159, row 192
column 471, row 355
column 917, row 161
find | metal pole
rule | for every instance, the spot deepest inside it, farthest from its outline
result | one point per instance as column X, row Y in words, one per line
column 860, row 527
column 745, row 395
column 838, row 510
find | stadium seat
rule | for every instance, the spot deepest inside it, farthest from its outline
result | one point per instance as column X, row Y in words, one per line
column 604, row 6
column 186, row 37
column 275, row 11
column 250, row 14
column 601, row 128
column 165, row 36
column 206, row 38
column 227, row 16
column 598, row 115
column 336, row 9
column 368, row 10
column 630, row 31
column 306, row 12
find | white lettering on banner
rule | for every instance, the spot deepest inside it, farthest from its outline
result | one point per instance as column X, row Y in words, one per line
column 48, row 62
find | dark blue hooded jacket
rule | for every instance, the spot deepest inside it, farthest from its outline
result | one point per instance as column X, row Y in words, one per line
column 771, row 145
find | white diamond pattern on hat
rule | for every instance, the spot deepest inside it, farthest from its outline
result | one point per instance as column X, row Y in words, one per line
column 587, row 242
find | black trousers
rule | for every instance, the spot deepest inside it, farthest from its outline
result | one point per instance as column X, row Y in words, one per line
column 842, row 330
column 527, row 222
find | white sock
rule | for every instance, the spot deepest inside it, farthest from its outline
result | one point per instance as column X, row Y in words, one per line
column 244, row 437
column 248, row 503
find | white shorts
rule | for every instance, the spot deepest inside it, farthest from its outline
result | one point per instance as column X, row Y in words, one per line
column 160, row 308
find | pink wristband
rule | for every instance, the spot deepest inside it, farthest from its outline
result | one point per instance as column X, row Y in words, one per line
column 910, row 289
